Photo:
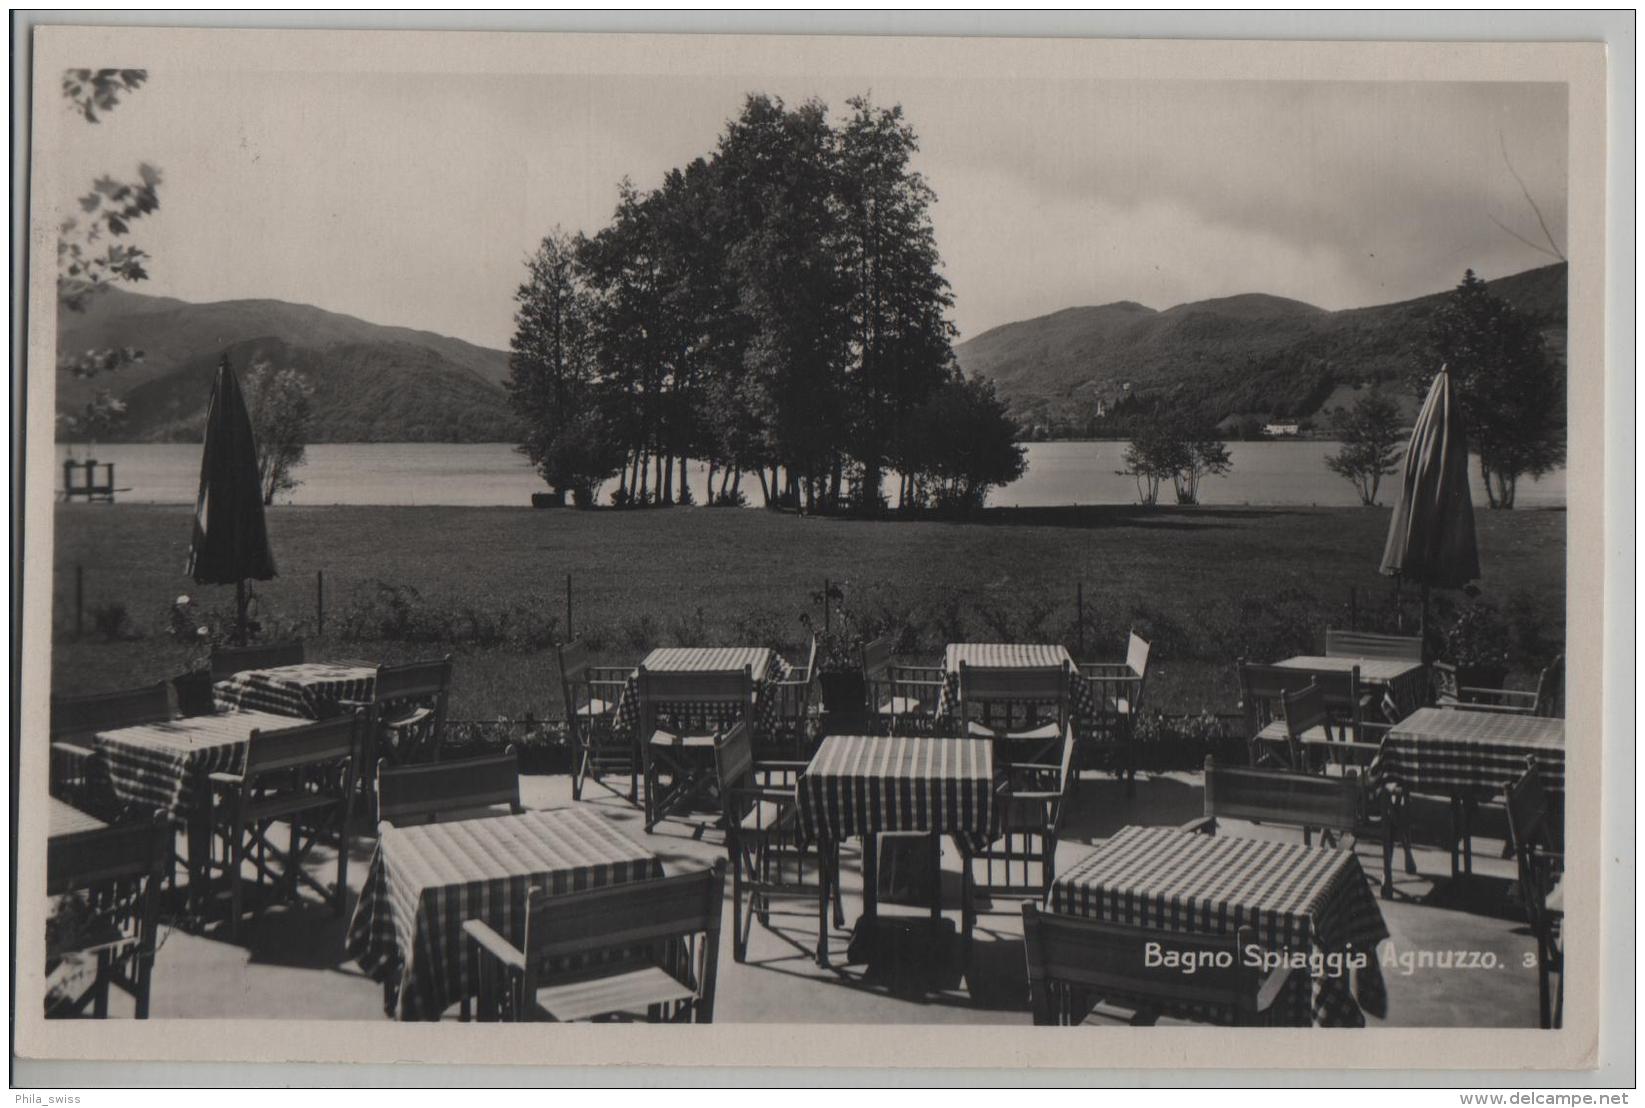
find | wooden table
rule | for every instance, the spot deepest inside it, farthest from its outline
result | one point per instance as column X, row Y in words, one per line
column 1403, row 682
column 308, row 690
column 163, row 767
column 1470, row 756
column 424, row 882
column 1296, row 898
column 869, row 785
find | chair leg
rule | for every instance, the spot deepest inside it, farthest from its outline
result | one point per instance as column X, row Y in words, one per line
column 825, row 880
column 342, row 868
column 237, row 854
column 739, row 930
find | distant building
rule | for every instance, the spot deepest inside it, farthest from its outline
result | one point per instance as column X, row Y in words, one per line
column 1279, row 429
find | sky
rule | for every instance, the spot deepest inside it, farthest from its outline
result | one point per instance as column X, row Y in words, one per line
column 414, row 199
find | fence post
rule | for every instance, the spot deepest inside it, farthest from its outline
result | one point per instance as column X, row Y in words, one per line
column 319, row 603
column 827, row 609
column 1353, row 608
column 1079, row 618
column 79, row 599
column 568, row 607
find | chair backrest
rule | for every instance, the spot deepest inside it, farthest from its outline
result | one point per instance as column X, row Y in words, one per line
column 429, row 680
column 1005, row 697
column 1550, row 689
column 627, row 915
column 122, row 852
column 1138, row 965
column 1530, row 813
column 1304, row 710
column 573, row 661
column 409, row 795
column 1137, row 649
column 1262, row 691
column 876, row 657
column 733, row 764
column 229, row 660
column 1282, row 797
column 695, row 686
column 810, row 671
column 74, row 716
column 1367, row 644
column 307, row 744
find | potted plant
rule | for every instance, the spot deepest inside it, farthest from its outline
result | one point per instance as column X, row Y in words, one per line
column 1477, row 644
column 839, row 650
column 193, row 685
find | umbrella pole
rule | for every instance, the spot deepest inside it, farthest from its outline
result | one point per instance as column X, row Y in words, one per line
column 240, row 601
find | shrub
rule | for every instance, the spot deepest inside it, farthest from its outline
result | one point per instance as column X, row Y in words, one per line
column 112, row 620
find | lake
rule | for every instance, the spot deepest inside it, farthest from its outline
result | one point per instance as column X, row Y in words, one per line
column 1059, row 473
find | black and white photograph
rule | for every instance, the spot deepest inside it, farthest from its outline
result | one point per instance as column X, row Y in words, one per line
column 560, row 528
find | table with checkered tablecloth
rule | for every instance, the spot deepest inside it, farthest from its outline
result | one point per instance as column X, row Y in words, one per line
column 310, row 690
column 766, row 665
column 1296, row 898
column 1402, row 684
column 859, row 785
column 161, row 765
column 1457, row 752
column 424, row 882
column 1007, row 656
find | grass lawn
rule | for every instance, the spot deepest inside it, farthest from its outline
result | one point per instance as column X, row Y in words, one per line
column 1208, row 585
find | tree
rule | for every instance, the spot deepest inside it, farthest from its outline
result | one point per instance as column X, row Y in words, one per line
column 966, row 443
column 551, row 373
column 1512, row 394
column 279, row 403
column 1371, row 443
column 1171, row 448
column 85, row 266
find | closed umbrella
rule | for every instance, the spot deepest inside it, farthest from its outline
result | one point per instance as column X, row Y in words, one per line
column 1431, row 535
column 230, row 543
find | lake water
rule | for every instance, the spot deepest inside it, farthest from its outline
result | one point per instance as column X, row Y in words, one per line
column 1059, row 473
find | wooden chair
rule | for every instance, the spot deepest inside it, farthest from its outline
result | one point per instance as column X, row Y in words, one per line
column 1262, row 693
column 792, row 709
column 119, row 871
column 591, row 694
column 1116, row 697
column 76, row 720
column 1366, row 644
column 1024, row 709
column 654, row 946
column 437, row 792
column 901, row 699
column 682, row 715
column 302, row 776
column 1538, row 851
column 1338, row 806
column 226, row 661
column 1074, row 962
column 405, row 718
column 764, row 841
column 1546, row 700
column 1033, row 798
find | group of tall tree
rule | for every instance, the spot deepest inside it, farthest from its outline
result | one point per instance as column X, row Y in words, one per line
column 775, row 309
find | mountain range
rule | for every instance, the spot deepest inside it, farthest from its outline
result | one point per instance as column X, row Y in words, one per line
column 1252, row 356
column 371, row 383
column 1256, row 356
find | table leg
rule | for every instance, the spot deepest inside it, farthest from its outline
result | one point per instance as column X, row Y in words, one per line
column 936, row 877
column 198, row 862
column 870, row 877
column 826, row 875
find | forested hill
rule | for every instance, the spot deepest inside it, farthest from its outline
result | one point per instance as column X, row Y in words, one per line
column 371, row 383
column 1252, row 356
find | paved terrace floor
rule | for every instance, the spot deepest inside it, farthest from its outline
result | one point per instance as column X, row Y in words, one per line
column 289, row 963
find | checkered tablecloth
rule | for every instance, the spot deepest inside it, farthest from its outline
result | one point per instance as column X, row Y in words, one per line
column 1296, row 898
column 309, row 690
column 424, row 882
column 1453, row 751
column 160, row 765
column 1013, row 655
column 768, row 667
column 873, row 784
column 1403, row 684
